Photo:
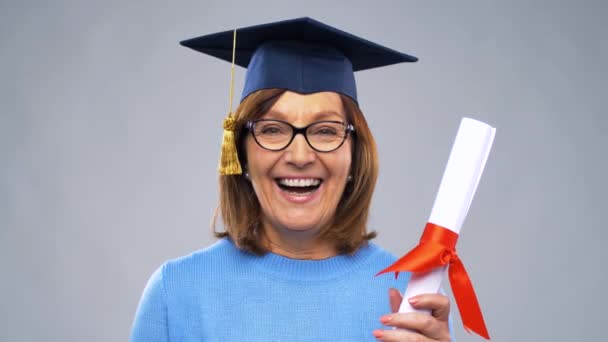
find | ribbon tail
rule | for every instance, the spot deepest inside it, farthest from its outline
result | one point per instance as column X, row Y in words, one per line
column 422, row 258
column 470, row 312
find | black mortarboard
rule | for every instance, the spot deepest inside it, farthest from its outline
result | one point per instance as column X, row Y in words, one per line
column 301, row 55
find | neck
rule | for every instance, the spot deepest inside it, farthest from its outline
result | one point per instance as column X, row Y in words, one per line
column 297, row 244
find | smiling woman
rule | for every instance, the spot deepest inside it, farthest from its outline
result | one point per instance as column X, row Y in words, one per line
column 298, row 170
column 347, row 177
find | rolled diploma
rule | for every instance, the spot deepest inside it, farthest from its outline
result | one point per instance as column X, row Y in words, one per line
column 460, row 179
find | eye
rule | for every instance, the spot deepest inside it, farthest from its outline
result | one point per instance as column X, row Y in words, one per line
column 326, row 130
column 270, row 129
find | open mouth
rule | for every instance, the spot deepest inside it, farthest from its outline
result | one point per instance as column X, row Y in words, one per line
column 299, row 186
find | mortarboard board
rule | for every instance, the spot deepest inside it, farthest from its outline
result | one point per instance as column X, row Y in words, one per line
column 302, row 55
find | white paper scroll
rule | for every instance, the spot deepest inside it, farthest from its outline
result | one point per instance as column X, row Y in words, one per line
column 460, row 179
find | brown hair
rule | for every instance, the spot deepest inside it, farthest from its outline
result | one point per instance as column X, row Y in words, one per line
column 239, row 207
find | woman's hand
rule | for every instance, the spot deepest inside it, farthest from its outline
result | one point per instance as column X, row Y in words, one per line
column 420, row 326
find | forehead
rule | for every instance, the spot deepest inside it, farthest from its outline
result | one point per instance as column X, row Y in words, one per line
column 292, row 106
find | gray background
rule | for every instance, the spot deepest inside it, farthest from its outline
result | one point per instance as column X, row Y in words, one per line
column 110, row 132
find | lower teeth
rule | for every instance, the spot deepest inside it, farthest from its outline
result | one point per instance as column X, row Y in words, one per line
column 299, row 191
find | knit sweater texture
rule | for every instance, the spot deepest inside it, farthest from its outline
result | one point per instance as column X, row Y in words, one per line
column 221, row 293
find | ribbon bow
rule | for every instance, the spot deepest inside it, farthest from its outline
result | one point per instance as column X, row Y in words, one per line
column 437, row 248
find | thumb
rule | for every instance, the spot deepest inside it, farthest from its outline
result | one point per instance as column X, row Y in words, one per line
column 395, row 298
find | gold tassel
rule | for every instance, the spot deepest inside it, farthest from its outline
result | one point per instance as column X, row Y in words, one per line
column 229, row 158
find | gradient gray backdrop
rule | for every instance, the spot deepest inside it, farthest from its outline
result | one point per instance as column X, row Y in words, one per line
column 110, row 132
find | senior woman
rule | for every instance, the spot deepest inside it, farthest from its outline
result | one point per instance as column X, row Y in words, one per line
column 294, row 262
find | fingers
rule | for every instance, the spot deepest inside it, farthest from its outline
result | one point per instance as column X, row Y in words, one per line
column 438, row 304
column 399, row 335
column 419, row 324
column 416, row 326
column 395, row 299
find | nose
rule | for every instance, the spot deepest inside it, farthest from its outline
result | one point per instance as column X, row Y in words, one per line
column 299, row 153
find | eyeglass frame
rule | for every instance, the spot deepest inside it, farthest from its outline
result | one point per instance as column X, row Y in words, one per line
column 348, row 128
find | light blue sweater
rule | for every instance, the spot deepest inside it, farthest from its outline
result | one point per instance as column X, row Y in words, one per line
column 223, row 294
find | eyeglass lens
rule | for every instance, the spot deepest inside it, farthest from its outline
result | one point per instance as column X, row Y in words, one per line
column 321, row 136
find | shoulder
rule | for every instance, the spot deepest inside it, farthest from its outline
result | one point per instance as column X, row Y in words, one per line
column 383, row 259
column 216, row 257
column 218, row 250
column 373, row 258
column 192, row 274
column 379, row 254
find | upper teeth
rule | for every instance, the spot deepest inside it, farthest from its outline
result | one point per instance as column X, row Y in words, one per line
column 300, row 182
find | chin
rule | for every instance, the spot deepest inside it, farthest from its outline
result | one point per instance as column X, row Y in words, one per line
column 302, row 222
column 301, row 226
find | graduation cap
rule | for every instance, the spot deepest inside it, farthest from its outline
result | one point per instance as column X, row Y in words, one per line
column 301, row 55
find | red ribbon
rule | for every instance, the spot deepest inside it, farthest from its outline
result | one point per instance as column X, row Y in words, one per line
column 437, row 248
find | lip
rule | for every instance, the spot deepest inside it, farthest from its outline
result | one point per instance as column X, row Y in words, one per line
column 299, row 198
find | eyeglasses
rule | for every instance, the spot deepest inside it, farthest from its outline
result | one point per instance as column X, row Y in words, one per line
column 321, row 136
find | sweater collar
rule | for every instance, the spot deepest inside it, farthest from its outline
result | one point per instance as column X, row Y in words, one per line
column 282, row 267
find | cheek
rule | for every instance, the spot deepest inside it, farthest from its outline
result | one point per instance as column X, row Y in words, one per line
column 259, row 163
column 339, row 167
column 255, row 157
column 342, row 167
column 343, row 161
column 249, row 149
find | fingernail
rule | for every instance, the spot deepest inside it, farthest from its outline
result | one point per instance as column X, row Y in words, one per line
column 385, row 319
column 378, row 333
column 413, row 300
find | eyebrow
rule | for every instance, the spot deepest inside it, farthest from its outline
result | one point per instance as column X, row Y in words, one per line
column 324, row 115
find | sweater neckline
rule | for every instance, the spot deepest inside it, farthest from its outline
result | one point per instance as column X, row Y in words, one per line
column 282, row 267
